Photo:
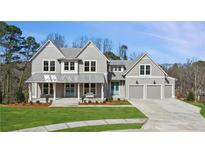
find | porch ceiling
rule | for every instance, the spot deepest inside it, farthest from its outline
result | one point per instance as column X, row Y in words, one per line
column 67, row 78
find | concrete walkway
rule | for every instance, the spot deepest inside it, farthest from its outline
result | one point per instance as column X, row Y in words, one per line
column 55, row 127
column 105, row 106
column 170, row 115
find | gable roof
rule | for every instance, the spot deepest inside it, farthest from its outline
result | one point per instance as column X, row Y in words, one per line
column 42, row 47
column 86, row 45
column 138, row 60
column 70, row 52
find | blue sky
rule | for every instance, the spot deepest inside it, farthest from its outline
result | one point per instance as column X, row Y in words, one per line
column 166, row 42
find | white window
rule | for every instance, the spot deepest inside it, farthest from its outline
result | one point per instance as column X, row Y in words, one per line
column 52, row 66
column 89, row 87
column 116, row 68
column 89, row 66
column 145, row 69
column 69, row 66
column 47, row 88
column 49, row 65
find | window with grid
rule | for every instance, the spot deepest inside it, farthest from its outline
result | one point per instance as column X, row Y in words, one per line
column 66, row 66
column 93, row 88
column 147, row 69
column 93, row 66
column 86, row 66
column 45, row 89
column 72, row 66
column 142, row 69
column 45, row 65
column 86, row 88
column 52, row 66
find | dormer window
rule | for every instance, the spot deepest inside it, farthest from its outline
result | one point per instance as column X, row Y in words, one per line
column 49, row 65
column 69, row 66
column 145, row 69
column 116, row 68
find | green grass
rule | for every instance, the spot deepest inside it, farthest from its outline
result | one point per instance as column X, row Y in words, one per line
column 201, row 105
column 102, row 128
column 13, row 118
column 121, row 103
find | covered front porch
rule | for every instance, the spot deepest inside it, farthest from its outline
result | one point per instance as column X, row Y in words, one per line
column 58, row 92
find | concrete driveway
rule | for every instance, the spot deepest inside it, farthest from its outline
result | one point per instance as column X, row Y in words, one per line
column 170, row 115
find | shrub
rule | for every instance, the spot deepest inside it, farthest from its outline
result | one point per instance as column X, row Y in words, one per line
column 96, row 102
column 118, row 99
column 89, row 102
column 31, row 102
column 38, row 101
column 110, row 99
column 85, row 101
column 20, row 96
column 190, row 96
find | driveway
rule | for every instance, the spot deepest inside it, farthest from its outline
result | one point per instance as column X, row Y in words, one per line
column 170, row 115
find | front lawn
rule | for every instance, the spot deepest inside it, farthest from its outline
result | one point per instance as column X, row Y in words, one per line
column 102, row 128
column 13, row 118
column 201, row 105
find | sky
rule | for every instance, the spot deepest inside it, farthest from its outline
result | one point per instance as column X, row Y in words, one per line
column 165, row 42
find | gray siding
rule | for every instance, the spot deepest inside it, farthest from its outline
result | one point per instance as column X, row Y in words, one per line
column 50, row 52
column 155, row 71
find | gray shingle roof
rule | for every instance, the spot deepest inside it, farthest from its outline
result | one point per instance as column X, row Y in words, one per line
column 116, row 76
column 71, row 78
column 70, row 52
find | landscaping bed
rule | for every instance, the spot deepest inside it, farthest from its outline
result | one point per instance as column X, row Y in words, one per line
column 14, row 118
column 31, row 104
column 113, row 102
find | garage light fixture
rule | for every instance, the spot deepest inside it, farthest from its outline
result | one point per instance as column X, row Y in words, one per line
column 154, row 82
column 136, row 82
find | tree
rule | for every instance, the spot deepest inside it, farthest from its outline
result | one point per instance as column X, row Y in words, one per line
column 123, row 51
column 107, row 45
column 11, row 41
column 57, row 39
column 80, row 42
column 29, row 48
column 111, row 55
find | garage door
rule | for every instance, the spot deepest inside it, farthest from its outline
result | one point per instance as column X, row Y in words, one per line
column 168, row 91
column 136, row 91
column 154, row 91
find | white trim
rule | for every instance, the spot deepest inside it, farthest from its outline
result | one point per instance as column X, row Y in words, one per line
column 145, row 54
column 145, row 75
column 89, row 66
column 49, row 60
column 40, row 49
column 36, row 88
column 69, row 71
column 136, row 85
column 86, row 45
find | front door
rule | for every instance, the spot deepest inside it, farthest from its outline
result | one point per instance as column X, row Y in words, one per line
column 69, row 90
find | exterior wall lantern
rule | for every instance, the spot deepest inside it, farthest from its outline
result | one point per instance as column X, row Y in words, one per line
column 137, row 82
column 154, row 82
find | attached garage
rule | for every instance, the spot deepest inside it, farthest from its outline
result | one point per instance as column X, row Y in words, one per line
column 154, row 91
column 136, row 91
column 168, row 91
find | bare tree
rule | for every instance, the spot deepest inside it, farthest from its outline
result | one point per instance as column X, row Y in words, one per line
column 57, row 39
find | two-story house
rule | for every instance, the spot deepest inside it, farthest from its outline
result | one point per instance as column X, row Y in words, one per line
column 81, row 72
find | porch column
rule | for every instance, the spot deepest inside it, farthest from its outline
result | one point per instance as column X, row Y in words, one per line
column 54, row 91
column 102, row 92
column 36, row 88
column 78, row 91
column 30, row 92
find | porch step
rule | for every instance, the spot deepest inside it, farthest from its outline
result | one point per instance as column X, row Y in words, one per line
column 65, row 102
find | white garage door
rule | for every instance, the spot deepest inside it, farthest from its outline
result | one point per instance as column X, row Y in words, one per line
column 136, row 91
column 168, row 91
column 154, row 91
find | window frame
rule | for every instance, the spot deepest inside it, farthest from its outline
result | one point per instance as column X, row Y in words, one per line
column 89, row 88
column 69, row 66
column 49, row 65
column 145, row 70
column 50, row 86
column 117, row 68
column 89, row 66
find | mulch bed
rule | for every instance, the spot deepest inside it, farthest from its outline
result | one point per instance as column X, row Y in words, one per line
column 22, row 104
column 104, row 103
